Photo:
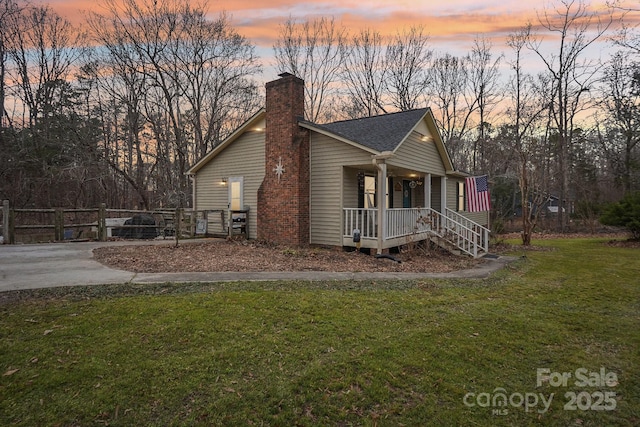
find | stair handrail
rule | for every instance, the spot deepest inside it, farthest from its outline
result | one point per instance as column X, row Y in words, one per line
column 460, row 231
column 484, row 231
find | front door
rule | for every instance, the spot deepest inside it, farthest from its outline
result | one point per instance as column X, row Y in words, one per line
column 236, row 201
column 406, row 194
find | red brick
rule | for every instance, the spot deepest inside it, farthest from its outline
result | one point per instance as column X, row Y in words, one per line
column 283, row 203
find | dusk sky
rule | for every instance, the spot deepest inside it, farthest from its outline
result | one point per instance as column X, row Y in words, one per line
column 451, row 24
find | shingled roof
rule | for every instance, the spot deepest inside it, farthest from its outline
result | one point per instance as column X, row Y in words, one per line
column 380, row 133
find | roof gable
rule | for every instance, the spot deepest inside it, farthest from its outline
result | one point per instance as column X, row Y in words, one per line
column 380, row 133
column 248, row 125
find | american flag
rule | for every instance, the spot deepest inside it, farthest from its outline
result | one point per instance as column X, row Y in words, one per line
column 477, row 189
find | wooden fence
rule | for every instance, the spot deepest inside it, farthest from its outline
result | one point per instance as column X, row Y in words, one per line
column 37, row 225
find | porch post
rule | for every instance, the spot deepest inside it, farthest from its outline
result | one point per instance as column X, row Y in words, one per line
column 380, row 162
column 427, row 191
column 443, row 195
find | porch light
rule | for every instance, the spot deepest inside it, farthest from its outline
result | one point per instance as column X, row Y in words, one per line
column 426, row 138
column 224, row 180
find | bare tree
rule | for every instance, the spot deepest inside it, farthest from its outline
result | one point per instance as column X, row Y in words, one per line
column 9, row 11
column 484, row 90
column 365, row 73
column 184, row 80
column 621, row 103
column 447, row 85
column 575, row 28
column 407, row 58
column 315, row 51
column 627, row 36
column 44, row 50
column 48, row 139
column 526, row 105
column 216, row 66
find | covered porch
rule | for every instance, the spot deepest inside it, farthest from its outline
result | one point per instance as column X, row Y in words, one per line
column 402, row 226
column 397, row 206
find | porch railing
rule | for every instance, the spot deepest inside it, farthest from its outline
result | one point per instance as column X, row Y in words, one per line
column 404, row 222
column 364, row 220
column 463, row 233
column 481, row 232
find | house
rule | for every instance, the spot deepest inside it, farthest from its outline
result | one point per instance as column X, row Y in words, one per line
column 387, row 178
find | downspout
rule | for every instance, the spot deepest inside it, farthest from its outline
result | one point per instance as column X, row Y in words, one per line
column 380, row 162
column 193, row 192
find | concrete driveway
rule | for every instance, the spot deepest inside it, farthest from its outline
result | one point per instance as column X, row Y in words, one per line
column 55, row 264
column 70, row 264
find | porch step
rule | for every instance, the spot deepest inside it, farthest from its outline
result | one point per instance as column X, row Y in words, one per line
column 445, row 244
column 448, row 245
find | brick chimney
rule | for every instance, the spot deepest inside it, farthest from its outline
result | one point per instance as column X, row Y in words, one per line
column 283, row 197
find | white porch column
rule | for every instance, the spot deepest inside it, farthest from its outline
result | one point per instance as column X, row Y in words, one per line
column 427, row 191
column 381, row 196
column 443, row 195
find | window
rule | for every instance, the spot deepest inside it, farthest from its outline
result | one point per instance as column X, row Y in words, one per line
column 460, row 205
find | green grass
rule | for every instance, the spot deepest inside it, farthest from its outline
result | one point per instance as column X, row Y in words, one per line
column 328, row 353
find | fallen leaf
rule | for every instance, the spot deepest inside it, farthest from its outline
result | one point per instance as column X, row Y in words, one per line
column 48, row 331
column 10, row 372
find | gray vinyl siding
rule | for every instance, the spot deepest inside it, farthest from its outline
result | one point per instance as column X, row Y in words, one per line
column 418, row 155
column 349, row 188
column 436, row 191
column 332, row 186
column 452, row 201
column 481, row 218
column 243, row 158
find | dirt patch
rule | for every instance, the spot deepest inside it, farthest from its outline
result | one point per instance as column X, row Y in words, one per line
column 252, row 256
column 624, row 243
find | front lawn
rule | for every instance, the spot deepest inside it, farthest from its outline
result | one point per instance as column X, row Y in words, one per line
column 335, row 353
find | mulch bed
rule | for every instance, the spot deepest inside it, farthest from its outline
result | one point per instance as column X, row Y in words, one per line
column 252, row 256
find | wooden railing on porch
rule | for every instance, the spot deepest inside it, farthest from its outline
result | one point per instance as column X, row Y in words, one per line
column 364, row 220
column 479, row 233
column 404, row 222
column 464, row 234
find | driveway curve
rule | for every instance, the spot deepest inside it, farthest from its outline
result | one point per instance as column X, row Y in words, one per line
column 71, row 264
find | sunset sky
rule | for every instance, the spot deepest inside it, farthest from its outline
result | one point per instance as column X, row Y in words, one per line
column 451, row 24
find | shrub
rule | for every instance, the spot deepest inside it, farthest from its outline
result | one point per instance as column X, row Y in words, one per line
column 625, row 213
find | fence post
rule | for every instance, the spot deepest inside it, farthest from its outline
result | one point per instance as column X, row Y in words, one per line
column 192, row 224
column 102, row 222
column 6, row 227
column 6, row 232
column 58, row 225
column 12, row 226
column 178, row 225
